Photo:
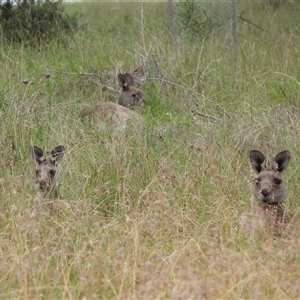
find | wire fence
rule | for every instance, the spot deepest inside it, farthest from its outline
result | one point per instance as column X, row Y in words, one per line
column 217, row 18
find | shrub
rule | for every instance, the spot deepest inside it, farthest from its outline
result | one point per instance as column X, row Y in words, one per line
column 192, row 18
column 34, row 22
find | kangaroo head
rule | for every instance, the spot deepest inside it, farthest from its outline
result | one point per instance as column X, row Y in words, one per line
column 129, row 96
column 268, row 187
column 46, row 168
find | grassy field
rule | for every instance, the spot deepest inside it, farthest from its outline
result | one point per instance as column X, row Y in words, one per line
column 153, row 212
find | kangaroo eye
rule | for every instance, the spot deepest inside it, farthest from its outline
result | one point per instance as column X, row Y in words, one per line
column 52, row 173
column 257, row 180
column 277, row 181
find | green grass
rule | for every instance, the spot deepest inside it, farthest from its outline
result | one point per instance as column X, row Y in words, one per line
column 149, row 213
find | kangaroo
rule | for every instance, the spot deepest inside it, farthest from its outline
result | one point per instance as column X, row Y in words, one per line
column 46, row 169
column 130, row 96
column 118, row 114
column 268, row 191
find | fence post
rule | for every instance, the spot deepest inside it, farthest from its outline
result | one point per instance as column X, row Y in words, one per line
column 234, row 24
column 171, row 15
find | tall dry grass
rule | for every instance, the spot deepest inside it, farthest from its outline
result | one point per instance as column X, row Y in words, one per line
column 151, row 212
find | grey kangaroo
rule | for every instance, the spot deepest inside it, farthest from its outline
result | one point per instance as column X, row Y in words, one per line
column 129, row 95
column 46, row 170
column 268, row 189
column 118, row 114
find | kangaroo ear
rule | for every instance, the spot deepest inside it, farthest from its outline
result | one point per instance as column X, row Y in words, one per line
column 125, row 81
column 37, row 154
column 129, row 78
column 57, row 154
column 281, row 161
column 257, row 160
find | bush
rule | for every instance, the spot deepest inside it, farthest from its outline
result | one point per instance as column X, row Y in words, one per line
column 34, row 22
column 192, row 18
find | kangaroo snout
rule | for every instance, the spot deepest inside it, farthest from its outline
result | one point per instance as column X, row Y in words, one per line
column 45, row 176
column 42, row 184
column 266, row 193
column 265, row 190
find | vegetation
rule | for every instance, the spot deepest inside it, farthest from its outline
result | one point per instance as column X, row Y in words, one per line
column 34, row 22
column 199, row 19
column 152, row 212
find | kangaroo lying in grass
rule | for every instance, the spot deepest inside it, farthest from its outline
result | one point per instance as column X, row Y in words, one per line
column 46, row 170
column 267, row 201
column 119, row 114
column 129, row 96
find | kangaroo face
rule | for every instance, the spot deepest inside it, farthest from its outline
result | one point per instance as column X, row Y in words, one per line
column 45, row 176
column 129, row 96
column 268, row 187
column 46, row 168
